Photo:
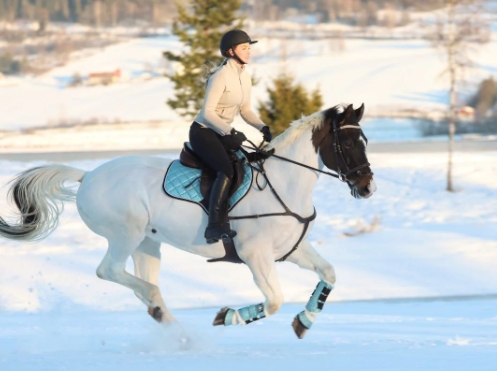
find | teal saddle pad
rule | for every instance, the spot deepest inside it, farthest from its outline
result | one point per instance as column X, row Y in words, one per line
column 183, row 183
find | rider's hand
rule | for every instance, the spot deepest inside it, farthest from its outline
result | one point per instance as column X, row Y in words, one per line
column 266, row 133
column 234, row 140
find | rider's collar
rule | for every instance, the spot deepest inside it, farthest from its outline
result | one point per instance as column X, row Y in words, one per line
column 235, row 66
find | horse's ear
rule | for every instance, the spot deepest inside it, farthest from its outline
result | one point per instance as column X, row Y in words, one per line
column 348, row 111
column 359, row 112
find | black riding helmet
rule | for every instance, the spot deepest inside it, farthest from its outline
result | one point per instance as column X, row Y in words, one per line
column 233, row 38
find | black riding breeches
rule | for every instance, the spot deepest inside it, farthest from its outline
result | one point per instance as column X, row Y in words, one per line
column 209, row 146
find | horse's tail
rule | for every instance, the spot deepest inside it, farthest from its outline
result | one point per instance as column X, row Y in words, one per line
column 39, row 194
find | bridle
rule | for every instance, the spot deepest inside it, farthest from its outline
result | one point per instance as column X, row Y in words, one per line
column 338, row 153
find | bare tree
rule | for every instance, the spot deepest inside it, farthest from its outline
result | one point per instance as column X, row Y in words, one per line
column 459, row 28
column 97, row 13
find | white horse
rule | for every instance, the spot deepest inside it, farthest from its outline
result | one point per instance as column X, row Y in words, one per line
column 123, row 201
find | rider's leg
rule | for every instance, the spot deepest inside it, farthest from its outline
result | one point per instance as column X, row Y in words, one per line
column 207, row 144
column 217, row 208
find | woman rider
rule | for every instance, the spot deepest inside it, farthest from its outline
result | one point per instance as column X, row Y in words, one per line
column 211, row 135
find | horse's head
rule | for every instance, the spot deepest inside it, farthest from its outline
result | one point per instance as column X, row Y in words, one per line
column 341, row 145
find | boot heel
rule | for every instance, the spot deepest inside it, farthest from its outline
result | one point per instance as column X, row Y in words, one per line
column 229, row 234
column 228, row 238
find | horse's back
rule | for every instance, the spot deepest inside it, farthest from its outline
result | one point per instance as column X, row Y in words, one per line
column 128, row 163
column 120, row 186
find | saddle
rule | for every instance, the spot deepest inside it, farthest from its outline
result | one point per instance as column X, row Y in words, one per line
column 190, row 179
column 190, row 159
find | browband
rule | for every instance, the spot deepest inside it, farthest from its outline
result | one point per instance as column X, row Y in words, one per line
column 349, row 127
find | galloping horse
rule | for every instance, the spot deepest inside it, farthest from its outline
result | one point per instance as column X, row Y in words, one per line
column 123, row 201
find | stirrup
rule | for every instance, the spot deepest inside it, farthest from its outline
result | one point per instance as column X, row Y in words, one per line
column 225, row 235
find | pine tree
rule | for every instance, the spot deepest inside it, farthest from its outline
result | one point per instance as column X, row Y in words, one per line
column 288, row 101
column 200, row 29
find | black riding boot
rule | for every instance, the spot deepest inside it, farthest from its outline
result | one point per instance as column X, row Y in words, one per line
column 217, row 209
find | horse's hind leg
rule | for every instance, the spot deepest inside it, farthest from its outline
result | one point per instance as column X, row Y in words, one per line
column 308, row 258
column 146, row 259
column 112, row 268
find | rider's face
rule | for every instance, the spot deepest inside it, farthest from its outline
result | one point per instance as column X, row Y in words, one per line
column 243, row 51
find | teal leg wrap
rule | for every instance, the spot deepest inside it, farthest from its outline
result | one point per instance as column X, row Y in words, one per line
column 315, row 304
column 247, row 314
column 228, row 320
column 304, row 320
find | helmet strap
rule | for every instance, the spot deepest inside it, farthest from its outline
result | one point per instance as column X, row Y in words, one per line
column 237, row 58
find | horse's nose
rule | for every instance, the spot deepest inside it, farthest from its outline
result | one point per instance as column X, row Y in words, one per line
column 371, row 187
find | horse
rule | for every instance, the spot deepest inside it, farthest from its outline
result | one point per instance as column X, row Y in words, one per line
column 123, row 201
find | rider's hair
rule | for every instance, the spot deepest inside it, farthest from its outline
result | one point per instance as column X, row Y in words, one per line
column 209, row 68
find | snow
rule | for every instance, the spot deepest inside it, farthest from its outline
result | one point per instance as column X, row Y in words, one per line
column 430, row 244
column 433, row 335
column 403, row 73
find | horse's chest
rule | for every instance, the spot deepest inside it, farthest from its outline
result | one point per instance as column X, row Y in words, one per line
column 287, row 235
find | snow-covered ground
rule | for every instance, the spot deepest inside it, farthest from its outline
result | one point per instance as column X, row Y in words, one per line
column 403, row 73
column 163, row 136
column 407, row 336
column 57, row 314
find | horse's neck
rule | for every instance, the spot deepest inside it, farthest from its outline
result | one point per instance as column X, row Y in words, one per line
column 295, row 183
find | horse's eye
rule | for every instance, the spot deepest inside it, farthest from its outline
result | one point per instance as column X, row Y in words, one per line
column 347, row 144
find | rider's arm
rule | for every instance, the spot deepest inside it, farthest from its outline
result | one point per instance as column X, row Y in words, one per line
column 249, row 116
column 214, row 91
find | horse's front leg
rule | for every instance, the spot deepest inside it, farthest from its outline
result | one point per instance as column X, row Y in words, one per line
column 261, row 263
column 308, row 258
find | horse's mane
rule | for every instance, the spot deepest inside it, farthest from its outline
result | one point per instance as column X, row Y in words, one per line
column 298, row 127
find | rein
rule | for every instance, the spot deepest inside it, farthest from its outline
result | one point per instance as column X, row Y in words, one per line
column 337, row 150
column 259, row 150
column 342, row 176
column 303, row 220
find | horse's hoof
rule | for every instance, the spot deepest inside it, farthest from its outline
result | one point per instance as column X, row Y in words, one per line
column 220, row 317
column 299, row 328
column 156, row 313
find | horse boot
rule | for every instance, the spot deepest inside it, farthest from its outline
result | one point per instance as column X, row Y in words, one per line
column 217, row 229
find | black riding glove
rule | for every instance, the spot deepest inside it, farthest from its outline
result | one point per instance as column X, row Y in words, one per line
column 234, row 140
column 266, row 133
